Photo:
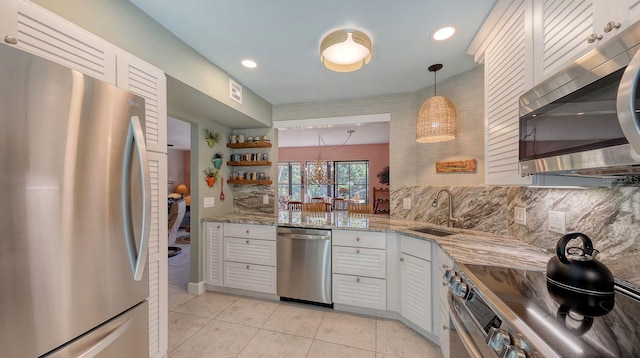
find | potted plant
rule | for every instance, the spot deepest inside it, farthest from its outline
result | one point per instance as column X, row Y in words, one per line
column 217, row 160
column 212, row 137
column 211, row 175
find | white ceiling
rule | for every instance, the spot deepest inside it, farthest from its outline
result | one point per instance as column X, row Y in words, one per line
column 337, row 135
column 283, row 37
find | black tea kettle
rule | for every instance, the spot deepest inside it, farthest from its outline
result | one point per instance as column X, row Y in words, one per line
column 575, row 268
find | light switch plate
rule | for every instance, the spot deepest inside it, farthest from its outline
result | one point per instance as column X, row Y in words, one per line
column 406, row 203
column 520, row 215
column 209, row 202
column 557, row 221
column 265, row 199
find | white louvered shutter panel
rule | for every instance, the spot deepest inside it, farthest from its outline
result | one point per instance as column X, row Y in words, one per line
column 158, row 264
column 415, row 287
column 508, row 74
column 634, row 9
column 566, row 25
column 213, row 241
column 149, row 82
column 47, row 35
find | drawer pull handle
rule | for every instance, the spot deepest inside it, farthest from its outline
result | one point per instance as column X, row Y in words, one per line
column 444, row 328
column 247, row 242
column 247, row 231
column 10, row 40
column 357, row 251
column 358, row 238
column 611, row 25
column 402, row 259
column 445, row 266
column 593, row 38
column 358, row 279
column 217, row 227
column 247, row 267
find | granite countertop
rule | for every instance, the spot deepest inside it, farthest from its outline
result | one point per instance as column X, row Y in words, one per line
column 466, row 246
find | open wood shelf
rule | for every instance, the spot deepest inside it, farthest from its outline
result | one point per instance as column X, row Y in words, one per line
column 250, row 163
column 243, row 181
column 261, row 144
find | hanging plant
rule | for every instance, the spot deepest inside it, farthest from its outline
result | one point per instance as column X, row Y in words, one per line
column 212, row 137
column 217, row 160
column 211, row 175
column 383, row 176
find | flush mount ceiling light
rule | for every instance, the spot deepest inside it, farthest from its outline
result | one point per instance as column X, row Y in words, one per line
column 345, row 51
column 444, row 33
column 436, row 121
column 249, row 63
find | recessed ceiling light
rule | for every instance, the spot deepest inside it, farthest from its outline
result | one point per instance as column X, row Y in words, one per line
column 444, row 33
column 249, row 63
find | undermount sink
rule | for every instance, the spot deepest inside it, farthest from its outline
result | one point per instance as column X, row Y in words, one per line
column 434, row 232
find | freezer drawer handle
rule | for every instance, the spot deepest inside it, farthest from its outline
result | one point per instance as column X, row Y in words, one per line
column 106, row 342
column 138, row 259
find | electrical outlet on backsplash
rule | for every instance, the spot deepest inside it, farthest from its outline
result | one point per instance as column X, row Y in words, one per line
column 609, row 216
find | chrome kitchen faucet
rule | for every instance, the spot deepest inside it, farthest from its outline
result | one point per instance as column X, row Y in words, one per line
column 450, row 218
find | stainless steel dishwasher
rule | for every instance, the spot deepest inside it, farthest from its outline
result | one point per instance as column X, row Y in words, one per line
column 304, row 264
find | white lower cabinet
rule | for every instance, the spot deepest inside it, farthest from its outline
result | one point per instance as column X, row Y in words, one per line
column 415, row 284
column 443, row 328
column 360, row 291
column 213, row 263
column 240, row 256
column 259, row 278
column 359, row 266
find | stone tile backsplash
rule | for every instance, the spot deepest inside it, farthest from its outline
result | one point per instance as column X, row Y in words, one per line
column 610, row 217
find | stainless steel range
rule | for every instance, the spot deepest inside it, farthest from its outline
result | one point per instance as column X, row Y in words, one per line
column 507, row 312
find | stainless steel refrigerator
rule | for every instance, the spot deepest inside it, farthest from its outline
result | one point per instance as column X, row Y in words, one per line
column 74, row 213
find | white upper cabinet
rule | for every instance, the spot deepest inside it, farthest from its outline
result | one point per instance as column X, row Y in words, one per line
column 508, row 74
column 570, row 28
column 149, row 82
column 40, row 32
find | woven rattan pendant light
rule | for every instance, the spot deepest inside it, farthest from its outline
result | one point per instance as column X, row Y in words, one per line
column 436, row 121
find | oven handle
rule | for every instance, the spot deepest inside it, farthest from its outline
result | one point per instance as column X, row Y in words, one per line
column 466, row 339
column 626, row 102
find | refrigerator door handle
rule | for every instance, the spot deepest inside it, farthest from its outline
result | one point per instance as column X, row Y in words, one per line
column 137, row 258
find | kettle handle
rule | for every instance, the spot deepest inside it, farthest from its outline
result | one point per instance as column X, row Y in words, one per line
column 561, row 247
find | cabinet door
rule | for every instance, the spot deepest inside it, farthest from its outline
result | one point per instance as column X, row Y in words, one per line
column 262, row 232
column 158, row 264
column 149, row 82
column 250, row 277
column 360, row 291
column 442, row 328
column 566, row 27
column 213, row 241
column 415, row 291
column 508, row 74
column 261, row 252
column 47, row 35
column 358, row 261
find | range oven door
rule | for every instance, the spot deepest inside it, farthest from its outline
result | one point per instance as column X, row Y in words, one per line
column 472, row 336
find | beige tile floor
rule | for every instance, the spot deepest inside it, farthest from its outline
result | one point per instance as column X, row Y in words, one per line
column 221, row 325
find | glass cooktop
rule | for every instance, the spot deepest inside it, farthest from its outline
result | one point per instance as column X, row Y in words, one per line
column 574, row 325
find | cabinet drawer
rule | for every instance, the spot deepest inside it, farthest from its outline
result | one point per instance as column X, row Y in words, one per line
column 360, row 291
column 250, row 277
column 416, row 247
column 261, row 252
column 263, row 232
column 372, row 240
column 359, row 261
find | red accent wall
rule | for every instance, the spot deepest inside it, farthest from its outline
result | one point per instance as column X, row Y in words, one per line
column 376, row 154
